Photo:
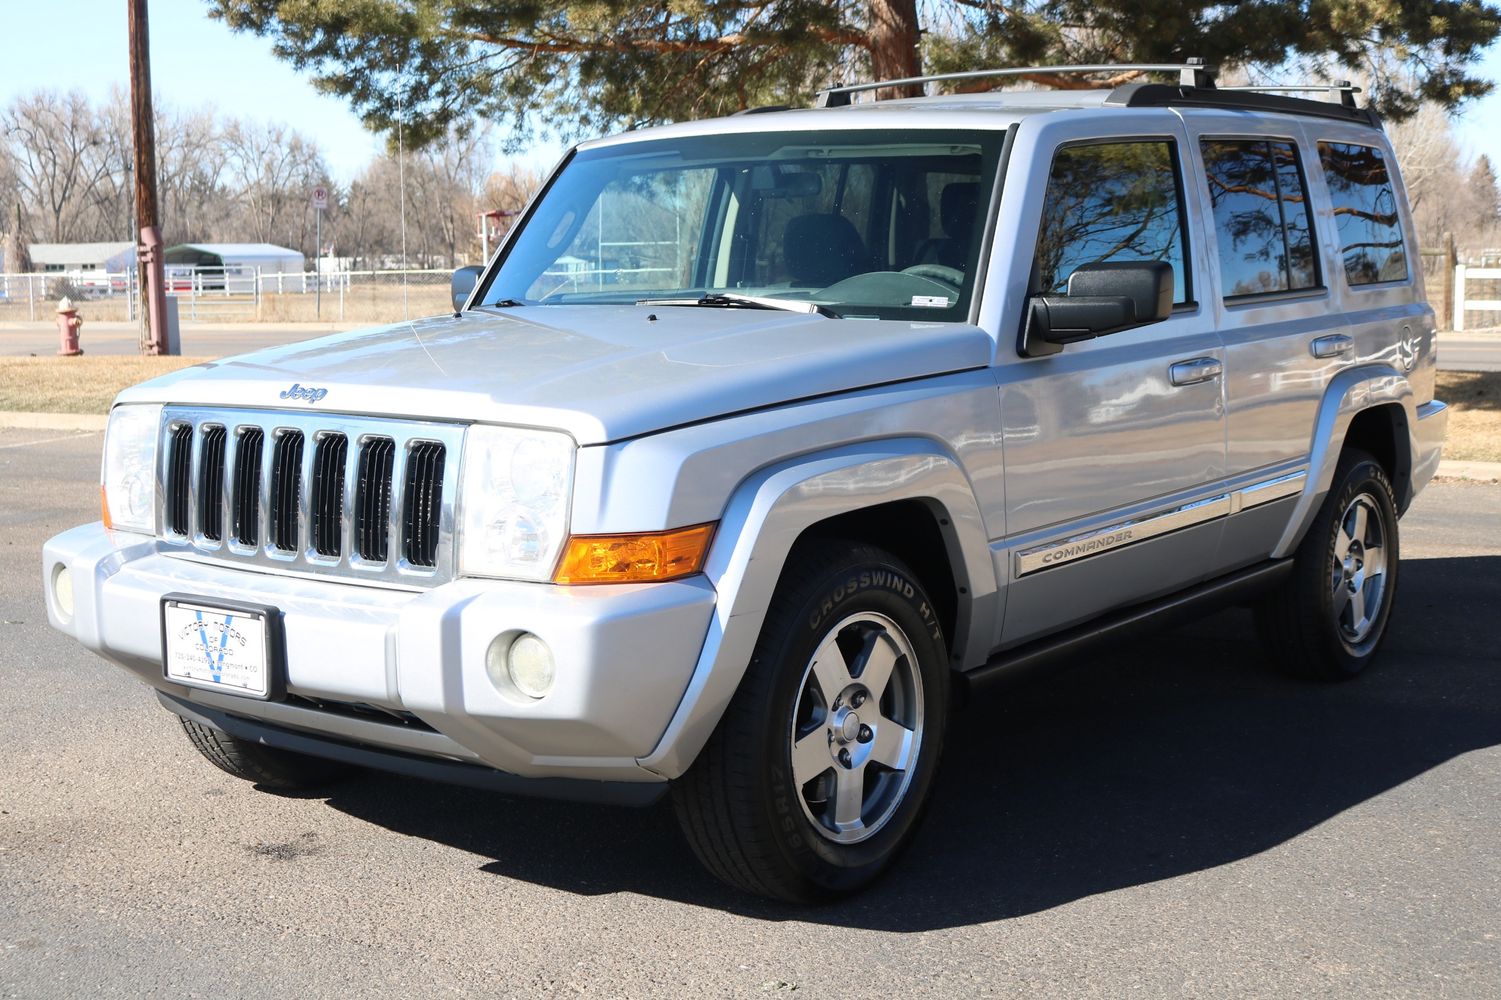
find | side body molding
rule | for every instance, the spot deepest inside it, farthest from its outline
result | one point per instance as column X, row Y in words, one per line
column 1350, row 392
column 763, row 520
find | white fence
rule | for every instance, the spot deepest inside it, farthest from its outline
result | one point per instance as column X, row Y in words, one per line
column 1465, row 278
column 235, row 294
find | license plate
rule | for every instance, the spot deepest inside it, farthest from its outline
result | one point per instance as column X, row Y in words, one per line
column 224, row 649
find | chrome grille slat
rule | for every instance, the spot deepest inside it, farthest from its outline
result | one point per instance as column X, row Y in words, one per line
column 179, row 460
column 327, row 500
column 372, row 503
column 245, row 501
column 311, row 493
column 210, row 479
column 424, row 485
column 286, row 492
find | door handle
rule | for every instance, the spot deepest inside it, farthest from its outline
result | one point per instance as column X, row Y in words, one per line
column 1194, row 371
column 1331, row 346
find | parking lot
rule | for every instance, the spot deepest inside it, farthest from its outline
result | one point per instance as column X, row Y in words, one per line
column 1164, row 819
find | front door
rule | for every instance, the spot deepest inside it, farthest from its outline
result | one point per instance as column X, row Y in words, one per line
column 1115, row 447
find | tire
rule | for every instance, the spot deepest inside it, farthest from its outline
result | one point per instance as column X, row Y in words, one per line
column 266, row 766
column 1328, row 620
column 761, row 806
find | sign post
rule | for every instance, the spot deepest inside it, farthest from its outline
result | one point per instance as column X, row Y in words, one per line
column 320, row 202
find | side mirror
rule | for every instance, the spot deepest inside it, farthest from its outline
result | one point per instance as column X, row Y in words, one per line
column 1101, row 299
column 462, row 283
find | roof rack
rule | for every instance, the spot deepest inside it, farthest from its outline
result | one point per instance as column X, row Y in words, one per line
column 1274, row 99
column 1192, row 73
column 1344, row 88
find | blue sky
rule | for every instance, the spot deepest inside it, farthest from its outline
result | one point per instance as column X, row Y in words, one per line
column 67, row 44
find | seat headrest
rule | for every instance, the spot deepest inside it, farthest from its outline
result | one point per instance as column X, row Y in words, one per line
column 821, row 248
column 957, row 207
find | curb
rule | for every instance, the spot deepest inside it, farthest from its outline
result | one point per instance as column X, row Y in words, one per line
column 53, row 421
column 1480, row 472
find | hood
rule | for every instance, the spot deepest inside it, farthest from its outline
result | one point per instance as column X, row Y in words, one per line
column 601, row 373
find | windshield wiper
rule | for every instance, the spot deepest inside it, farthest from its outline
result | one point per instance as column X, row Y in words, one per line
column 504, row 303
column 725, row 300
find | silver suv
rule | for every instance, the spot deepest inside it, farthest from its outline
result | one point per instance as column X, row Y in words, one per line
column 760, row 437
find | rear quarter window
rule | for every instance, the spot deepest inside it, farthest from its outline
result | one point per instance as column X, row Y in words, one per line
column 1365, row 212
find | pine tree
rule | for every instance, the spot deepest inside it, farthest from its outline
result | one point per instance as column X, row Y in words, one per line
column 588, row 66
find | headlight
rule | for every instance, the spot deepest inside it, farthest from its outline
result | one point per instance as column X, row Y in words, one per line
column 129, row 474
column 513, row 502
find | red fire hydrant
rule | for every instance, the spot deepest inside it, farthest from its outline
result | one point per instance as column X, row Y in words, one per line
column 69, row 325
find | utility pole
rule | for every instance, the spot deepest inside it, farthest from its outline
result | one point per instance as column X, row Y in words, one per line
column 150, row 248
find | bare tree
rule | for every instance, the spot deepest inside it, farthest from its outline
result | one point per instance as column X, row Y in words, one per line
column 273, row 169
column 61, row 157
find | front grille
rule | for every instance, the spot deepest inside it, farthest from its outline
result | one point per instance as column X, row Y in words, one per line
column 332, row 495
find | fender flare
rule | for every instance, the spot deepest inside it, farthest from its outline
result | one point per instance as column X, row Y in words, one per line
column 1349, row 393
column 762, row 521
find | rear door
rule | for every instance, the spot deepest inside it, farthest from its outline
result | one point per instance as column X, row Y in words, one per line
column 1279, row 316
column 1114, row 448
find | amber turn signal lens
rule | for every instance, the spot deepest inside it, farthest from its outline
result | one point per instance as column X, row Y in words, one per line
column 649, row 557
column 104, row 508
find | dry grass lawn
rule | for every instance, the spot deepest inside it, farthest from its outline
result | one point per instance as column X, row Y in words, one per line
column 1474, row 400
column 88, row 384
column 76, row 385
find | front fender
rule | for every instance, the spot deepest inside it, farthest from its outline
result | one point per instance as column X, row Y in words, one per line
column 763, row 520
column 1349, row 392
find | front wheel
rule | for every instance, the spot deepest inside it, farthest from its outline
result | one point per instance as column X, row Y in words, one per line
column 1329, row 619
column 818, row 773
column 268, row 767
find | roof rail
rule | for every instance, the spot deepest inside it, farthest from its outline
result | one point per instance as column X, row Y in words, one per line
column 1161, row 95
column 1192, row 73
column 1344, row 88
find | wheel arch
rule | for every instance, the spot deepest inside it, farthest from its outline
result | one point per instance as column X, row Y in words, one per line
column 1370, row 407
column 863, row 487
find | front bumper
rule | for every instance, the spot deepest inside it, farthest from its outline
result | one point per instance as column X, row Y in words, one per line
column 404, row 672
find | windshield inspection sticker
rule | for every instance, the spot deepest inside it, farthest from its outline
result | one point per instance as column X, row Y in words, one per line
column 931, row 301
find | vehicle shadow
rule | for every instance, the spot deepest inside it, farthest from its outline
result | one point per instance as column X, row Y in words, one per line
column 1148, row 760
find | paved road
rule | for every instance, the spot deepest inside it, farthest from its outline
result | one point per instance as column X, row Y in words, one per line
column 1164, row 820
column 198, row 340
column 1469, row 352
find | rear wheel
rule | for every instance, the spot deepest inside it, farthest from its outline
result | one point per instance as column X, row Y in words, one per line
column 1328, row 621
column 268, row 766
column 818, row 773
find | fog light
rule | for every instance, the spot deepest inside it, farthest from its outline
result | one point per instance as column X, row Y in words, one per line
column 523, row 664
column 62, row 589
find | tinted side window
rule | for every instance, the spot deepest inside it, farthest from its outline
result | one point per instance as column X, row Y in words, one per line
column 1111, row 202
column 1260, row 216
column 1365, row 209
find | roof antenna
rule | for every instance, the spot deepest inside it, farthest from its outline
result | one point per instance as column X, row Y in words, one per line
column 401, row 182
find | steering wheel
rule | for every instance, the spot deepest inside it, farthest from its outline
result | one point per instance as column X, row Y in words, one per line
column 951, row 276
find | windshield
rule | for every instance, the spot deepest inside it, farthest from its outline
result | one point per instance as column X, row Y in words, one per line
column 874, row 224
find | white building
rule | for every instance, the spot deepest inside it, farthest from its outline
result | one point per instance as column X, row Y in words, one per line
column 237, row 257
column 82, row 258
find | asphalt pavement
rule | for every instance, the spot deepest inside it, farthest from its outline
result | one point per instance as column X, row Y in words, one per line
column 1469, row 352
column 197, row 340
column 1163, row 819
